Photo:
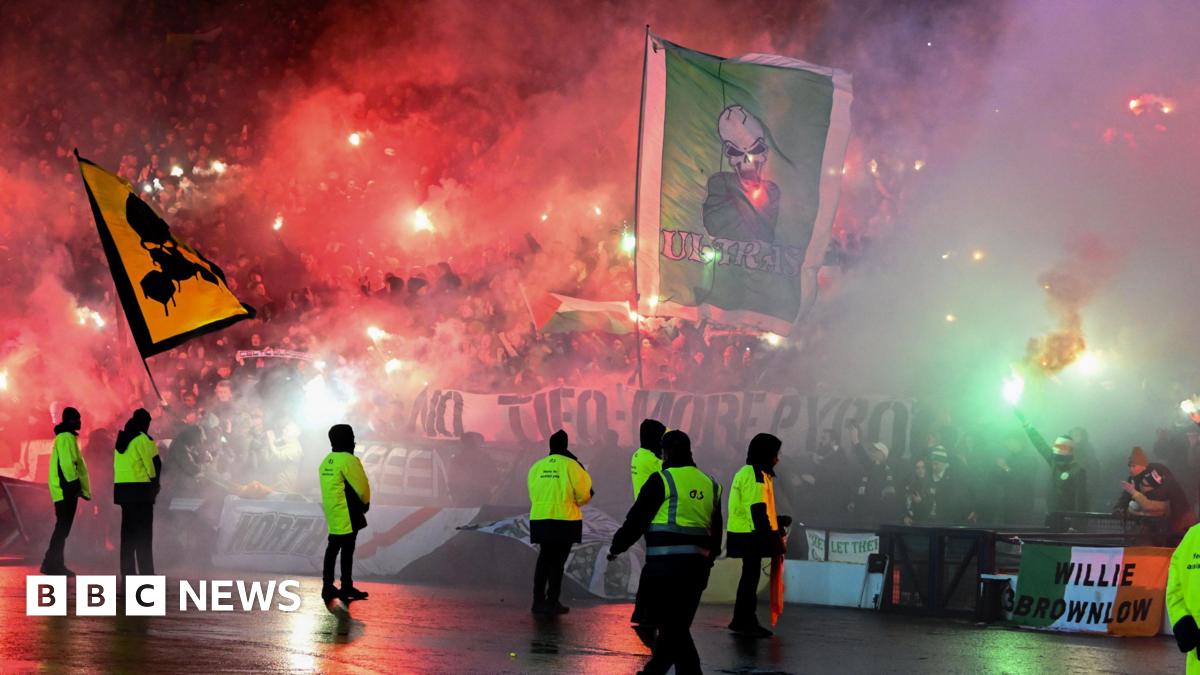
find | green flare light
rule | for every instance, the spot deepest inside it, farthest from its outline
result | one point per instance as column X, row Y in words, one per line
column 1014, row 386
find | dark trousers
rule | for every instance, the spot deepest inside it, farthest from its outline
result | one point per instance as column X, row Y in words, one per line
column 344, row 544
column 643, row 602
column 64, row 517
column 745, row 608
column 678, row 582
column 548, row 574
column 137, row 539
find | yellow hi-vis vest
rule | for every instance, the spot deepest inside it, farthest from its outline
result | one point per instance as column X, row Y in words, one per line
column 136, row 464
column 642, row 465
column 745, row 492
column 337, row 470
column 558, row 486
column 65, row 457
column 686, row 514
column 1183, row 586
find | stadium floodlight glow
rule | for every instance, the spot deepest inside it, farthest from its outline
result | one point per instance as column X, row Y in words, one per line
column 355, row 139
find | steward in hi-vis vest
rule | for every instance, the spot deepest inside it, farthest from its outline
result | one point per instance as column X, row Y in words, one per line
column 754, row 528
column 646, row 462
column 136, row 471
column 558, row 487
column 647, row 459
column 346, row 497
column 1183, row 596
column 678, row 510
column 68, row 481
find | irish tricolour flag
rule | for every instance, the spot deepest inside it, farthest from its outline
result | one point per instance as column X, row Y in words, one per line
column 1093, row 590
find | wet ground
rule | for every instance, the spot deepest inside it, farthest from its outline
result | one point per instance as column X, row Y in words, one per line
column 415, row 629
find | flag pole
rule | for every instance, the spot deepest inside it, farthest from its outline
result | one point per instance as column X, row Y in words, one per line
column 152, row 382
column 532, row 319
column 637, row 203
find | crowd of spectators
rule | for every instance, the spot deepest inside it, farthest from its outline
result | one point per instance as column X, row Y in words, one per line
column 986, row 477
column 173, row 100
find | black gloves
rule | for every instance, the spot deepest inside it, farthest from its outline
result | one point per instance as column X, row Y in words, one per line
column 784, row 521
column 778, row 546
column 1187, row 634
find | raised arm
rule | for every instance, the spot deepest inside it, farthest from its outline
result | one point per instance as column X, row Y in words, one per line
column 1039, row 443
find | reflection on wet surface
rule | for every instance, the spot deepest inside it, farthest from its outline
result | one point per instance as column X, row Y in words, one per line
column 404, row 629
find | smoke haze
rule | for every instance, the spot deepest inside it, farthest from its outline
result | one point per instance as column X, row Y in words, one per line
column 999, row 128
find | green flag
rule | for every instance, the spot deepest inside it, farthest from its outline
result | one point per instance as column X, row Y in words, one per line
column 739, row 167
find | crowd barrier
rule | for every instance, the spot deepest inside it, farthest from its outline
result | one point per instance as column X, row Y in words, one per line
column 961, row 571
column 935, row 570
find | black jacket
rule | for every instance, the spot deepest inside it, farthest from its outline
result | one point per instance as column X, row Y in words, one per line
column 875, row 499
column 649, row 500
column 1159, row 484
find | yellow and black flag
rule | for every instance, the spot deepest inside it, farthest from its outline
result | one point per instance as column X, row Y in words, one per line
column 170, row 292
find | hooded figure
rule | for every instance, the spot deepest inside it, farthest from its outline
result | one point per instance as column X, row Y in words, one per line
column 558, row 487
column 755, row 531
column 68, row 481
column 646, row 462
column 345, row 497
column 647, row 459
column 678, row 511
column 136, row 472
column 1183, row 598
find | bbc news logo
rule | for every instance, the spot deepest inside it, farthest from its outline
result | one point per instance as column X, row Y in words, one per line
column 146, row 595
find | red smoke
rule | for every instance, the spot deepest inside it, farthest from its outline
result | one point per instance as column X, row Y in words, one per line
column 1069, row 286
column 511, row 125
